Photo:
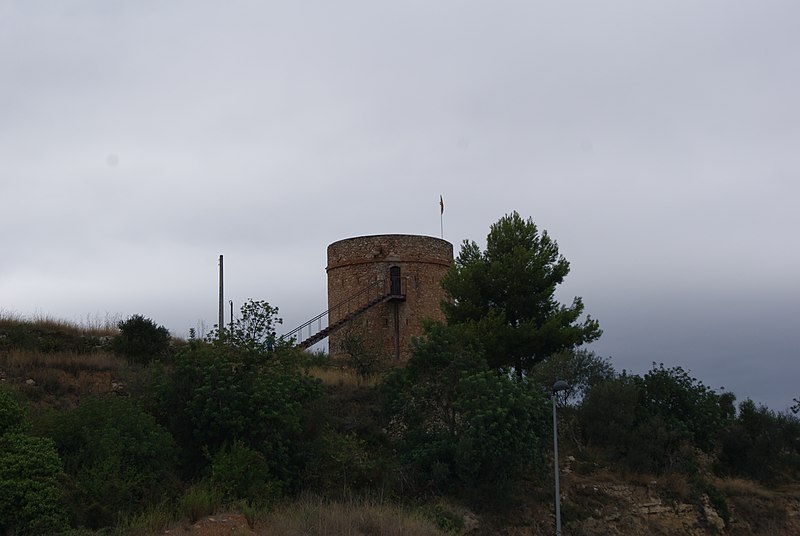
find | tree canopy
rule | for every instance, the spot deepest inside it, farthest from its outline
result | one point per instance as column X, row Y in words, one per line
column 506, row 296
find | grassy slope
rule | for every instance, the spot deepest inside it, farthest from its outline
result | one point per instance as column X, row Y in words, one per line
column 56, row 364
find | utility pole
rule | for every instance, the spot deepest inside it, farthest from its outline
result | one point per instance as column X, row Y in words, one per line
column 221, row 323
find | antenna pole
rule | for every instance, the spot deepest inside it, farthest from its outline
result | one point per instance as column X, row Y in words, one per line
column 231, row 325
column 221, row 323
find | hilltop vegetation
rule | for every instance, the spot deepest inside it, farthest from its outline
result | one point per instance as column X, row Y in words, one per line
column 129, row 431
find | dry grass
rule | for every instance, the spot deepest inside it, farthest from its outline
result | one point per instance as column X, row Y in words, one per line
column 676, row 486
column 341, row 377
column 93, row 326
column 318, row 517
column 61, row 379
column 20, row 362
column 739, row 487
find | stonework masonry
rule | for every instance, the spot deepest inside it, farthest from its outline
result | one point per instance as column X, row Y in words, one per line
column 359, row 270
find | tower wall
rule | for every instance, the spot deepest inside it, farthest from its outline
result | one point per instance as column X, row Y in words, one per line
column 360, row 263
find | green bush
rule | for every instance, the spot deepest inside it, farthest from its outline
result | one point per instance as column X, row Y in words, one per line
column 608, row 414
column 686, row 404
column 501, row 422
column 761, row 444
column 29, row 489
column 12, row 414
column 459, row 425
column 141, row 340
column 200, row 500
column 118, row 458
column 239, row 472
column 218, row 394
column 653, row 422
column 340, row 461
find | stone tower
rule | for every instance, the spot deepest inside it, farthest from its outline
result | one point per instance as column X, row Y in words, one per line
column 387, row 284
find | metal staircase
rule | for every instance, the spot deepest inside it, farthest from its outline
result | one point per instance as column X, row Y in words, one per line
column 346, row 311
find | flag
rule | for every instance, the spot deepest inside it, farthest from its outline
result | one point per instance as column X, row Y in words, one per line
column 441, row 205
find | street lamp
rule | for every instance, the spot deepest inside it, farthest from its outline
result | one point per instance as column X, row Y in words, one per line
column 560, row 385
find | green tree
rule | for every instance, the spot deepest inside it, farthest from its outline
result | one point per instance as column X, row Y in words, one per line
column 458, row 424
column 580, row 368
column 506, row 295
column 141, row 340
column 255, row 329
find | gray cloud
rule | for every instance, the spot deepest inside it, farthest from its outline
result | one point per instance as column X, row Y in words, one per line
column 656, row 143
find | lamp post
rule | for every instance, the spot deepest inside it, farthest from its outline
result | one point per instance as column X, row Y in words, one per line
column 560, row 385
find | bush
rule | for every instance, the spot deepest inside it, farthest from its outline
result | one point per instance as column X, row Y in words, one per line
column 761, row 444
column 343, row 461
column 363, row 357
column 459, row 425
column 29, row 491
column 608, row 413
column 200, row 500
column 686, row 404
column 653, row 423
column 218, row 394
column 498, row 438
column 141, row 340
column 12, row 414
column 117, row 457
column 239, row 472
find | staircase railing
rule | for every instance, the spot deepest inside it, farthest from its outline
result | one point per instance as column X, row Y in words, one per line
column 373, row 292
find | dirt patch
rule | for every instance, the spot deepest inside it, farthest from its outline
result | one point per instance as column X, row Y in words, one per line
column 218, row 525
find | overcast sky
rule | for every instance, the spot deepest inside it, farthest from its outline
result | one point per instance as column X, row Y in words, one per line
column 657, row 142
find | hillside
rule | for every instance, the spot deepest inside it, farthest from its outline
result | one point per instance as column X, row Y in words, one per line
column 352, row 481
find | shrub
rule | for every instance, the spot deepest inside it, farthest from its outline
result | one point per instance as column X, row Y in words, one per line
column 653, row 423
column 239, row 472
column 12, row 415
column 117, row 457
column 685, row 403
column 29, row 491
column 458, row 424
column 363, row 357
column 498, row 437
column 761, row 444
column 340, row 461
column 608, row 413
column 199, row 501
column 217, row 394
column 141, row 340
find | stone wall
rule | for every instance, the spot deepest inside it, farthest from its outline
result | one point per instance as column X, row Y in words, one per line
column 362, row 265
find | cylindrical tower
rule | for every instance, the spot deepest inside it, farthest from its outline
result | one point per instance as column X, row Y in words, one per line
column 383, row 286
